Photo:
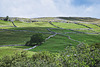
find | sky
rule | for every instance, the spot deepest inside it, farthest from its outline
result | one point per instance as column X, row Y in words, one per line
column 50, row 8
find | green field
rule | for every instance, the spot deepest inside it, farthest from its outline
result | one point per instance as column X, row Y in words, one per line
column 8, row 51
column 15, row 37
column 25, row 30
column 71, row 44
column 55, row 44
column 68, row 25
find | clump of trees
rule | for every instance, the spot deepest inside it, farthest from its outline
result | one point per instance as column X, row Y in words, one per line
column 36, row 39
column 7, row 18
column 83, row 55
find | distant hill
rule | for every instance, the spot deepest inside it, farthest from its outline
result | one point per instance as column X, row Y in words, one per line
column 82, row 19
column 85, row 19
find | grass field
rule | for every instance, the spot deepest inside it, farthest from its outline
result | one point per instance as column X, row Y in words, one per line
column 15, row 37
column 68, row 25
column 7, row 51
column 33, row 24
column 61, row 30
column 54, row 44
column 3, row 23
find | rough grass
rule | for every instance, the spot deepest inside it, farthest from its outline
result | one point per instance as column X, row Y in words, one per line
column 95, row 28
column 16, row 37
column 34, row 24
column 92, row 26
column 87, row 31
column 68, row 25
column 87, row 38
column 5, row 23
column 5, row 51
column 20, row 47
column 36, row 29
column 63, row 31
column 54, row 44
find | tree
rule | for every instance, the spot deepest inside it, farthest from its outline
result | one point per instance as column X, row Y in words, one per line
column 36, row 39
column 7, row 18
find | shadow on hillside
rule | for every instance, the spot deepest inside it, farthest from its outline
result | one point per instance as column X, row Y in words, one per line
column 39, row 29
column 11, row 37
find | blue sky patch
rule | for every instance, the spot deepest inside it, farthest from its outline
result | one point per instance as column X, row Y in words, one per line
column 82, row 2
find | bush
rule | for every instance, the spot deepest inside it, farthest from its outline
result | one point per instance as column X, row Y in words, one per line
column 36, row 39
column 82, row 56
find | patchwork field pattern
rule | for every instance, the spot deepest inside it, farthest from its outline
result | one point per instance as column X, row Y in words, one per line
column 67, row 34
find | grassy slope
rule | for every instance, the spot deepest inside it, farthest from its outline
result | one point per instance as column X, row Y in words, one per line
column 90, row 39
column 81, row 19
column 5, row 23
column 68, row 25
column 95, row 28
column 61, row 30
column 5, row 51
column 55, row 44
column 11, row 37
column 81, row 37
column 34, row 24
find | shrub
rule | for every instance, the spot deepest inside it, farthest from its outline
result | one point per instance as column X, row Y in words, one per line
column 82, row 56
column 36, row 39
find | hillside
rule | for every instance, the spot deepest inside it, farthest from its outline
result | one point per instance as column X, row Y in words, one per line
column 82, row 19
column 68, row 19
column 68, row 42
column 65, row 32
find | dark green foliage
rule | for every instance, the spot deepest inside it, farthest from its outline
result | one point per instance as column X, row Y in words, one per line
column 36, row 39
column 7, row 18
column 11, row 61
column 42, row 59
column 96, row 45
column 81, row 56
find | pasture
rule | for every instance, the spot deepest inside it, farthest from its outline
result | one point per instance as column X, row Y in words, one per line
column 67, row 34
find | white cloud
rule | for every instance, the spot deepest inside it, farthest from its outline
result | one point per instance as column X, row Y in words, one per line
column 28, row 8
column 80, row 11
column 40, row 8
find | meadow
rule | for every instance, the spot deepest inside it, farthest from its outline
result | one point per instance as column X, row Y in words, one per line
column 10, row 35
